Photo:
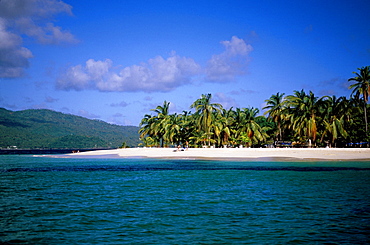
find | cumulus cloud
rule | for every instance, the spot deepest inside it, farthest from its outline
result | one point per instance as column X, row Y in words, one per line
column 47, row 34
column 158, row 74
column 31, row 18
column 232, row 62
column 13, row 57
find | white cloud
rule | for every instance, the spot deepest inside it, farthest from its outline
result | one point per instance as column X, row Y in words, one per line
column 42, row 8
column 45, row 34
column 232, row 62
column 31, row 18
column 13, row 57
column 225, row 101
column 74, row 77
column 158, row 74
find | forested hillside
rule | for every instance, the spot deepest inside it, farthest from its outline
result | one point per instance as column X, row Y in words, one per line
column 50, row 129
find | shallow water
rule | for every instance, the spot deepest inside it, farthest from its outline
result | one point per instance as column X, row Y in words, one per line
column 142, row 201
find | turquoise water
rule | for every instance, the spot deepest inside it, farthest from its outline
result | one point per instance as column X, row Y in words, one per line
column 141, row 201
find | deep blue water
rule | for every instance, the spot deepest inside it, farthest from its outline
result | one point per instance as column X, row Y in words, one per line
column 139, row 201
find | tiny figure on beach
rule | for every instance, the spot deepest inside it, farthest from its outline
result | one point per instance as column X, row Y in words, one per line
column 179, row 148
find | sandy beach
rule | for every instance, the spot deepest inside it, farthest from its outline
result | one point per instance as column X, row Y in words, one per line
column 234, row 153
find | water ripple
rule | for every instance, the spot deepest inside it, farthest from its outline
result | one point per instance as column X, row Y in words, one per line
column 153, row 167
column 156, row 202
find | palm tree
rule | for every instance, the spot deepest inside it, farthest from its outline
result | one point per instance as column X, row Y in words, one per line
column 276, row 107
column 205, row 111
column 163, row 110
column 356, row 124
column 173, row 127
column 335, row 115
column 154, row 126
column 187, row 126
column 362, row 86
column 226, row 121
column 254, row 131
column 304, row 110
column 245, row 128
column 159, row 126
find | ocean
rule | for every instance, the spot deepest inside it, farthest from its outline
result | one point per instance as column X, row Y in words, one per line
column 47, row 200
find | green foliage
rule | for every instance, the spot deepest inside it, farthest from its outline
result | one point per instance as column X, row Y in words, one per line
column 50, row 129
column 302, row 117
column 210, row 125
column 361, row 86
column 77, row 141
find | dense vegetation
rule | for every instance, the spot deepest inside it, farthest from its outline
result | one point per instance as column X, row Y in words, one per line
column 301, row 118
column 50, row 129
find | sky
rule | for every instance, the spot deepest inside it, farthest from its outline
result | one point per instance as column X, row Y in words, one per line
column 116, row 60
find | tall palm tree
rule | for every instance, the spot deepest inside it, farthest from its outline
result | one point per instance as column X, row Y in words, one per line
column 222, row 126
column 145, row 126
column 161, row 121
column 335, row 116
column 187, row 126
column 148, row 130
column 163, row 110
column 356, row 126
column 173, row 126
column 154, row 126
column 304, row 110
column 227, row 122
column 362, row 86
column 251, row 127
column 245, row 128
column 205, row 111
column 276, row 107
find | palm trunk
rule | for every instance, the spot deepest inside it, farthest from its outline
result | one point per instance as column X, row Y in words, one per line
column 279, row 126
column 365, row 118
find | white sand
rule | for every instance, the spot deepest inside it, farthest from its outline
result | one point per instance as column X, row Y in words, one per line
column 235, row 153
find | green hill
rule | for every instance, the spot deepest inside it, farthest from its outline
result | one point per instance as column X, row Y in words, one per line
column 50, row 129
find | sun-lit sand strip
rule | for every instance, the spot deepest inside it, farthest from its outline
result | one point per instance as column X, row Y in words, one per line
column 234, row 153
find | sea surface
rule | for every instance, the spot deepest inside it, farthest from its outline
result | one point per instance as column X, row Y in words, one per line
column 45, row 200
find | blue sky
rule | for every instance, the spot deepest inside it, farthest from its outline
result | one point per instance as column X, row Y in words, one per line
column 115, row 60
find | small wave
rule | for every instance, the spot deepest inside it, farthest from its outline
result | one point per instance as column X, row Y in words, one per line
column 177, row 167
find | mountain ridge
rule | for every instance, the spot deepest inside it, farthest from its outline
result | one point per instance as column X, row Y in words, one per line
column 44, row 128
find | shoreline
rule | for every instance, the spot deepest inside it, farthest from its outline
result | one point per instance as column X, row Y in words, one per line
column 238, row 154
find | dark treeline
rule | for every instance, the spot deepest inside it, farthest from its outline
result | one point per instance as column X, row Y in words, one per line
column 45, row 129
column 301, row 118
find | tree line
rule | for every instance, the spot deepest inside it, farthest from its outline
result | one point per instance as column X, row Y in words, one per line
column 301, row 118
column 41, row 128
